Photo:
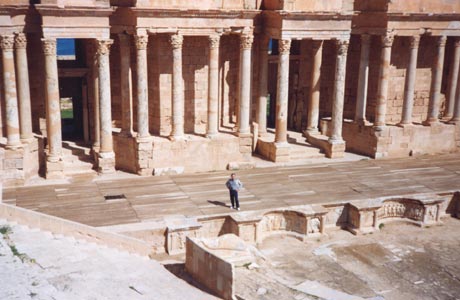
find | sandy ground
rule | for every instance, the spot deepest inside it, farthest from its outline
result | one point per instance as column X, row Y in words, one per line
column 38, row 265
column 401, row 262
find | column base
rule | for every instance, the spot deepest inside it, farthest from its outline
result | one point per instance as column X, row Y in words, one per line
column 405, row 125
column 335, row 148
column 54, row 168
column 379, row 127
column 454, row 121
column 106, row 162
column 144, row 155
column 245, row 140
column 430, row 122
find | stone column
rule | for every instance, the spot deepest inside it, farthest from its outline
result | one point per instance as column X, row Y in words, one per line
column 315, row 86
column 213, row 89
column 384, row 77
column 125, row 86
column 142, row 88
column 53, row 107
column 25, row 111
column 363, row 78
column 105, row 109
column 95, row 93
column 282, row 92
column 456, row 115
column 453, row 82
column 178, row 88
column 9, row 89
column 263, row 88
column 339, row 92
column 436, row 78
column 408, row 103
column 245, row 83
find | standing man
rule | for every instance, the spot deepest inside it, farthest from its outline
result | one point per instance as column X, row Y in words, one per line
column 234, row 185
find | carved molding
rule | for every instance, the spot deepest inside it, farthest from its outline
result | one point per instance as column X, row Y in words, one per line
column 49, row 46
column 176, row 41
column 103, row 46
column 414, row 41
column 20, row 41
column 284, row 46
column 246, row 41
column 141, row 41
column 342, row 47
column 214, row 41
column 7, row 42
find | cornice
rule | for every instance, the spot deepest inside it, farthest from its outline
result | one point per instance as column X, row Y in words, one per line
column 81, row 11
column 195, row 13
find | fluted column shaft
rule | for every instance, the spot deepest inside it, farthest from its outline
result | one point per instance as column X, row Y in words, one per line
column 384, row 77
column 436, row 78
column 53, row 109
column 453, row 82
column 213, row 89
column 25, row 111
column 9, row 89
column 125, row 84
column 408, row 103
column 142, row 88
column 105, row 109
column 363, row 79
column 263, row 85
column 339, row 91
column 315, row 86
column 245, row 82
column 178, row 88
column 282, row 92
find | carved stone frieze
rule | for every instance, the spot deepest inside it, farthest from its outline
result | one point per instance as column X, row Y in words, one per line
column 401, row 209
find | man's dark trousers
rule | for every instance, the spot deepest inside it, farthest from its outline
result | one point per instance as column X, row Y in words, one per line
column 234, row 198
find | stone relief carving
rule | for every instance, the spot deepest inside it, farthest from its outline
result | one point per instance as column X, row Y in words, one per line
column 314, row 225
column 401, row 209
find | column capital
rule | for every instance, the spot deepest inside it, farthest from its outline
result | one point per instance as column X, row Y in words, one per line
column 457, row 42
column 176, row 41
column 342, row 47
column 103, row 46
column 246, row 40
column 141, row 41
column 214, row 40
column 49, row 46
column 387, row 40
column 441, row 42
column 20, row 41
column 365, row 38
column 414, row 41
column 284, row 46
column 7, row 42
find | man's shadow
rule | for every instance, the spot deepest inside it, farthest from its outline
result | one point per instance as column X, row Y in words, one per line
column 218, row 203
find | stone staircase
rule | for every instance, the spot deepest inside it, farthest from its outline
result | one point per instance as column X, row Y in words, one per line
column 77, row 158
column 300, row 149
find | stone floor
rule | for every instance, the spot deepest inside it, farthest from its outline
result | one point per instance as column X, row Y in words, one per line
column 82, row 198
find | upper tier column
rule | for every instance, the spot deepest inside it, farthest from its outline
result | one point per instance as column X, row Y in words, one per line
column 315, row 86
column 384, row 77
column 453, row 82
column 263, row 85
column 142, row 88
column 105, row 108
column 177, row 88
column 436, row 78
column 53, row 109
column 213, row 89
column 246, row 41
column 363, row 79
column 408, row 103
column 9, row 89
column 339, row 91
column 25, row 112
column 282, row 91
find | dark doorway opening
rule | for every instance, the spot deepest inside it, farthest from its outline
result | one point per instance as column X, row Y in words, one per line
column 71, row 101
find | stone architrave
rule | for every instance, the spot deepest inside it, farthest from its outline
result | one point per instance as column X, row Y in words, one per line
column 282, row 91
column 408, row 103
column 453, row 80
column 105, row 110
column 363, row 79
column 384, row 78
column 339, row 92
column 22, row 71
column 9, row 89
column 142, row 88
column 177, row 88
column 263, row 85
column 246, row 41
column 436, row 78
column 315, row 86
column 213, row 90
column 53, row 108
column 125, row 84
